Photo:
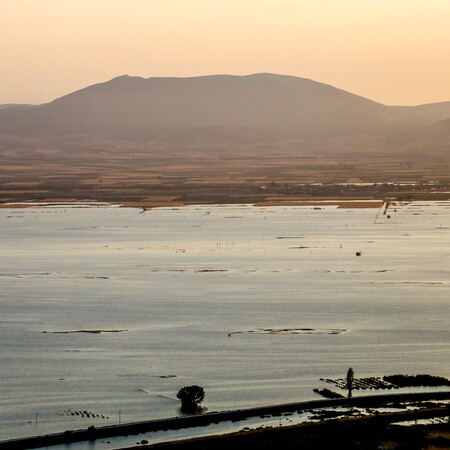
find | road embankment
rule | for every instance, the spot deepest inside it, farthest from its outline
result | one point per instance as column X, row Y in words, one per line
column 175, row 423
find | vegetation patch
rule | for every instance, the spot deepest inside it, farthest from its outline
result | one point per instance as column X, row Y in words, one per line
column 292, row 331
column 85, row 331
column 327, row 393
column 416, row 380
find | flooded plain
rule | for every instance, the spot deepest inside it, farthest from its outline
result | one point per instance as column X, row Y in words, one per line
column 106, row 312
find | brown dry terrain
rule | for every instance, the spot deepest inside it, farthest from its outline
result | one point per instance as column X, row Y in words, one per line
column 114, row 171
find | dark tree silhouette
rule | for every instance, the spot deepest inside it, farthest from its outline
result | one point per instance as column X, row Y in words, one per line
column 191, row 397
column 349, row 381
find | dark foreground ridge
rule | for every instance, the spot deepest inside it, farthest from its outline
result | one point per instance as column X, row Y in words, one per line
column 176, row 423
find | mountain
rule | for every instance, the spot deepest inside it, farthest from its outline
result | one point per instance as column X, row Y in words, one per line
column 239, row 107
column 220, row 112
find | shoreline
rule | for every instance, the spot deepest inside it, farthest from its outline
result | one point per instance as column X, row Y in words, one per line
column 266, row 202
column 130, row 190
column 347, row 203
column 174, row 192
column 269, row 200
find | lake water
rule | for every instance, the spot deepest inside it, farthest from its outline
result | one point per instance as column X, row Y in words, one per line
column 182, row 295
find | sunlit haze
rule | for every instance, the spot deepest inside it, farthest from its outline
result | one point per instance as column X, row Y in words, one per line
column 393, row 52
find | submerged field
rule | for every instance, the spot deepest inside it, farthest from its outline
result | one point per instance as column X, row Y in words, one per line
column 109, row 311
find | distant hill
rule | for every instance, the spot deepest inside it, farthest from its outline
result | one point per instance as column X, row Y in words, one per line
column 444, row 125
column 13, row 105
column 431, row 111
column 238, row 106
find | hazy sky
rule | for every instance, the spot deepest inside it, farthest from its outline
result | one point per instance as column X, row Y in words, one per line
column 391, row 51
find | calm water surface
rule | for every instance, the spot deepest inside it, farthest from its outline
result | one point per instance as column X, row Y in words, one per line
column 181, row 292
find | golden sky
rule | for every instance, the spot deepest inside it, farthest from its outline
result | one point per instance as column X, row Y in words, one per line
column 391, row 51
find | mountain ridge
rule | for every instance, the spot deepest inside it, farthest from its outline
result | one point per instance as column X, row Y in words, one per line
column 203, row 108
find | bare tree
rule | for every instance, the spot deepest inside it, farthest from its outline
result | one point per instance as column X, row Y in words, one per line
column 349, row 381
